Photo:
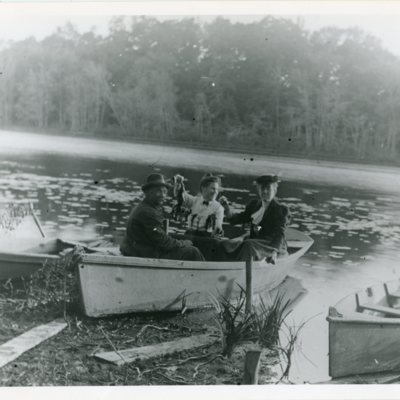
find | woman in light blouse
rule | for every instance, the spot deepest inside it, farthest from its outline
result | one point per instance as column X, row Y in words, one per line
column 206, row 214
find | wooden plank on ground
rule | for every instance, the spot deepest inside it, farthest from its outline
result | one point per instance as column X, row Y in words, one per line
column 161, row 349
column 12, row 349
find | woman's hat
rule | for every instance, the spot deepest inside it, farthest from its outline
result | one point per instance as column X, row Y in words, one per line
column 154, row 180
column 267, row 179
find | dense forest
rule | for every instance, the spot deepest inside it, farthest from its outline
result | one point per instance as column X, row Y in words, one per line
column 269, row 86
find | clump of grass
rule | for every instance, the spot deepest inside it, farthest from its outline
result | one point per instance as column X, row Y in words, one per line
column 236, row 326
column 51, row 288
column 11, row 216
column 287, row 351
column 268, row 320
column 260, row 326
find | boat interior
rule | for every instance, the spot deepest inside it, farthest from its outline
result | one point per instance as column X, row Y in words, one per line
column 295, row 240
column 388, row 306
column 382, row 300
column 55, row 247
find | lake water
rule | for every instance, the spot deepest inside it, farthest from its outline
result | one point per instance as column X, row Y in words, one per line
column 86, row 189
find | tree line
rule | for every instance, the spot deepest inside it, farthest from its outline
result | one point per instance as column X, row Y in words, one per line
column 268, row 85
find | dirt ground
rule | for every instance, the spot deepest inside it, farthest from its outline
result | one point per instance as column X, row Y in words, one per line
column 67, row 358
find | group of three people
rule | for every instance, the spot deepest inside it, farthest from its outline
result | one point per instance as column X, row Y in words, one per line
column 146, row 235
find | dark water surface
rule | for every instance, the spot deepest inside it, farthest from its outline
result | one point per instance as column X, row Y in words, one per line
column 356, row 231
column 77, row 196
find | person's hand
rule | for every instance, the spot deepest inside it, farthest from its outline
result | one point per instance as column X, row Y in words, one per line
column 272, row 258
column 219, row 232
column 179, row 179
column 223, row 201
column 187, row 242
column 178, row 184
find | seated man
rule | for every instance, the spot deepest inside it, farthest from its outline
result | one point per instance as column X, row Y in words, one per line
column 145, row 234
column 268, row 219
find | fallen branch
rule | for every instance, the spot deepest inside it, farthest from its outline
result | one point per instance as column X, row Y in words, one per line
column 165, row 366
column 181, row 382
column 13, row 301
column 196, row 370
column 150, row 326
column 194, row 358
column 112, row 344
column 117, row 352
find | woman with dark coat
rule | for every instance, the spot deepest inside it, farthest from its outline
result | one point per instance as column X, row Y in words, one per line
column 268, row 218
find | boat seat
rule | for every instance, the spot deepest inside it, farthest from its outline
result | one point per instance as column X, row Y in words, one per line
column 391, row 296
column 391, row 312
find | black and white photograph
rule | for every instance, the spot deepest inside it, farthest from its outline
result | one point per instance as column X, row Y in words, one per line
column 200, row 198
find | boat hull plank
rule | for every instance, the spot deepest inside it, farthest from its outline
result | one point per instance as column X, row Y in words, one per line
column 361, row 348
column 114, row 290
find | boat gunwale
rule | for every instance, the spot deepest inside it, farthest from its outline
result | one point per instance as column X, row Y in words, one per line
column 21, row 256
column 156, row 263
column 364, row 319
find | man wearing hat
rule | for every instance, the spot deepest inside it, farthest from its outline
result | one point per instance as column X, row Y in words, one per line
column 145, row 234
column 268, row 219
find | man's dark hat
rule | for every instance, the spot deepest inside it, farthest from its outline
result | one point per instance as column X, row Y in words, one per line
column 267, row 179
column 154, row 180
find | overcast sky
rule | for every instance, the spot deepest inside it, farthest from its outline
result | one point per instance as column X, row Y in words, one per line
column 20, row 23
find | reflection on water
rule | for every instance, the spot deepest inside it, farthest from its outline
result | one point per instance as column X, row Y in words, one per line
column 355, row 231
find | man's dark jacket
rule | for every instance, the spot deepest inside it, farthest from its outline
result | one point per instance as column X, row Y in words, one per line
column 273, row 223
column 145, row 234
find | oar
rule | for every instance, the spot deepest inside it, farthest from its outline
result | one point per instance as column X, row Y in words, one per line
column 36, row 219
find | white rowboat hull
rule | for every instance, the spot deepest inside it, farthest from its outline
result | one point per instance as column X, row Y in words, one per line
column 114, row 284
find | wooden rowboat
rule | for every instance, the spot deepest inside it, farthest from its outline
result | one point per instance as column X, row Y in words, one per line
column 116, row 284
column 26, row 256
column 17, row 263
column 364, row 332
column 23, row 250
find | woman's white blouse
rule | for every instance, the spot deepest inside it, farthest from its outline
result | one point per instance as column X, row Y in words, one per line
column 258, row 215
column 200, row 211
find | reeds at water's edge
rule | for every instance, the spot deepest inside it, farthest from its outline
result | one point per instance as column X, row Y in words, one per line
column 11, row 215
column 261, row 326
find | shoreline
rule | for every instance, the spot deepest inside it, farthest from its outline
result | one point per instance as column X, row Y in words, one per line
column 290, row 156
column 291, row 169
